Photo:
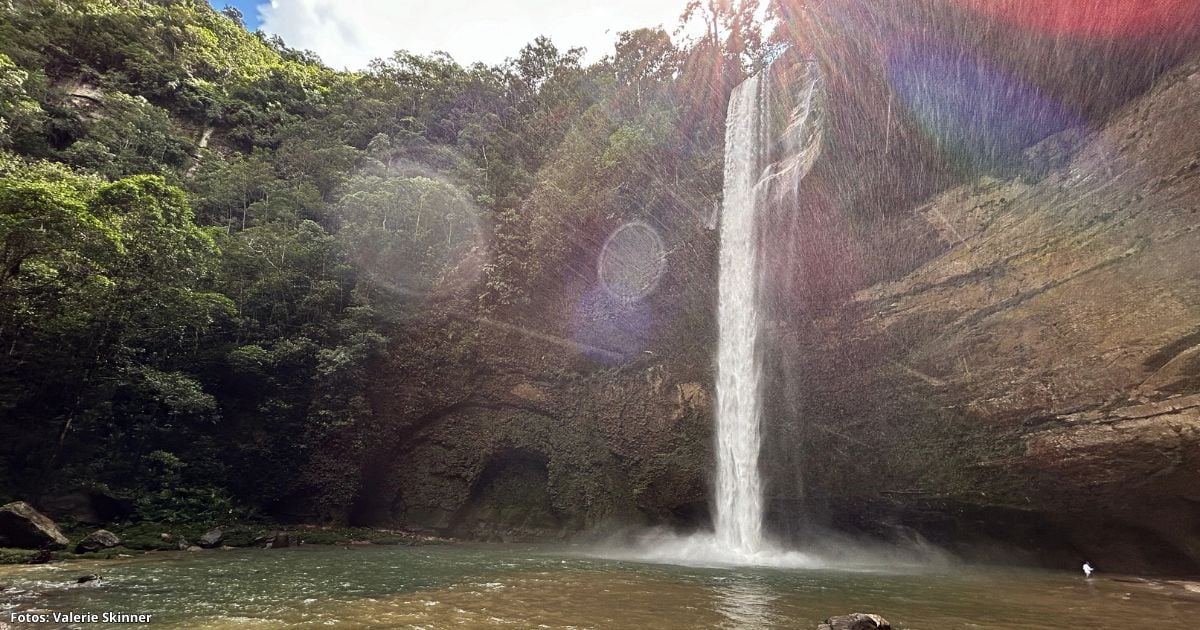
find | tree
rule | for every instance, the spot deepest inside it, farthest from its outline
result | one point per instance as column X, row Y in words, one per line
column 222, row 346
column 234, row 14
column 129, row 136
column 731, row 27
column 645, row 62
column 103, row 289
column 45, row 221
column 19, row 112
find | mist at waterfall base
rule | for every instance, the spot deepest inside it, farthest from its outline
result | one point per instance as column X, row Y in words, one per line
column 821, row 549
column 752, row 177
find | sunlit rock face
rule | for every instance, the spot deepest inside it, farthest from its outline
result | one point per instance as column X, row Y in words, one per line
column 1052, row 313
column 984, row 316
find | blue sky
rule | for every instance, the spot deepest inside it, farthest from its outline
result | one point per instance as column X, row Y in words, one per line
column 249, row 9
column 349, row 33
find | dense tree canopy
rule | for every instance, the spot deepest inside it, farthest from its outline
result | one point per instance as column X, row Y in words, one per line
column 207, row 239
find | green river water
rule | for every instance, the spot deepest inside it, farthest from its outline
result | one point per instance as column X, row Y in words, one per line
column 519, row 586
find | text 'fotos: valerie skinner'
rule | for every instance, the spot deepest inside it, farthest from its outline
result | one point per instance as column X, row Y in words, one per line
column 71, row 617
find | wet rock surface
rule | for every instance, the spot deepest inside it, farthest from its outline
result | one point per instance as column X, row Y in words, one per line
column 855, row 621
column 97, row 540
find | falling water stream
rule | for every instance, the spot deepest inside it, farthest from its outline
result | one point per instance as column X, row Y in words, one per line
column 771, row 143
column 750, row 175
column 739, row 485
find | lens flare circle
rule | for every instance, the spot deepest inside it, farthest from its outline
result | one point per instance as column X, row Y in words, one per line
column 632, row 261
column 414, row 232
column 974, row 110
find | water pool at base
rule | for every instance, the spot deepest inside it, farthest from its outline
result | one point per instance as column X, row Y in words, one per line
column 522, row 586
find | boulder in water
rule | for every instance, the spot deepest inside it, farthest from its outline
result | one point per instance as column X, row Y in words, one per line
column 23, row 527
column 84, row 579
column 97, row 540
column 212, row 537
column 856, row 621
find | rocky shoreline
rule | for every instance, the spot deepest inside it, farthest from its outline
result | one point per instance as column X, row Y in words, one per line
column 29, row 537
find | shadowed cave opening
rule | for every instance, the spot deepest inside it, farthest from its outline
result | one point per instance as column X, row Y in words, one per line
column 509, row 500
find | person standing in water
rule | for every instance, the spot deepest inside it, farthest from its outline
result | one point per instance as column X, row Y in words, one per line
column 1087, row 570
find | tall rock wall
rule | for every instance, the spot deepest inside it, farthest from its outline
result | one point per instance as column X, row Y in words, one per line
column 1032, row 368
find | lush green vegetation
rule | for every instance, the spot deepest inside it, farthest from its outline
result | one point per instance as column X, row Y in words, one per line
column 209, row 240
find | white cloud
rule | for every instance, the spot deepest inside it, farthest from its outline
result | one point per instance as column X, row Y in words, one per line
column 349, row 33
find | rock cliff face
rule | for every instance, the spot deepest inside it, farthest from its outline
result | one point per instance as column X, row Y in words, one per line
column 578, row 412
column 998, row 348
column 1034, row 378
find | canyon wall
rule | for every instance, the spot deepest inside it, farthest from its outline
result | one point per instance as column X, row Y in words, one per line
column 1029, row 377
column 983, row 329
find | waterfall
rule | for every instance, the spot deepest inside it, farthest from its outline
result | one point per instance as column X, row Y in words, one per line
column 739, row 486
column 752, row 170
column 768, row 151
